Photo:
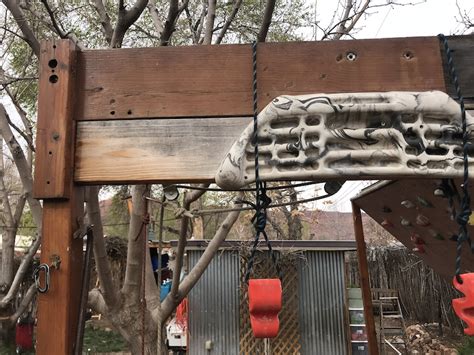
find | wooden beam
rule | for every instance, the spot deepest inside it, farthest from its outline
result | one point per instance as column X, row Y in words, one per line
column 160, row 150
column 55, row 126
column 364, row 280
column 63, row 203
column 204, row 81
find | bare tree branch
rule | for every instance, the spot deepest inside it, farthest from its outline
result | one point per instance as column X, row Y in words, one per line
column 211, row 16
column 155, row 17
column 57, row 28
column 228, row 22
column 172, row 300
column 22, row 23
column 22, row 166
column 24, row 304
column 104, row 20
column 168, row 29
column 188, row 199
column 345, row 17
column 109, row 292
column 266, row 21
column 126, row 18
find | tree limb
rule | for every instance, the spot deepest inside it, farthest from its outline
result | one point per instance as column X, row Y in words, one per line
column 168, row 29
column 24, row 304
column 22, row 23
column 188, row 199
column 126, row 18
column 22, row 165
column 104, row 20
column 345, row 17
column 228, row 22
column 211, row 16
column 171, row 301
column 155, row 17
column 109, row 292
column 266, row 21
column 58, row 29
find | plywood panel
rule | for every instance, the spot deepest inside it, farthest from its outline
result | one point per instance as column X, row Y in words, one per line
column 201, row 81
column 439, row 254
column 160, row 150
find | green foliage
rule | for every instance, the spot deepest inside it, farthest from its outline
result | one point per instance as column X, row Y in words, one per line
column 100, row 340
column 467, row 348
column 27, row 224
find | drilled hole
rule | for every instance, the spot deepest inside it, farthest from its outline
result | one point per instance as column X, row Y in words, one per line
column 339, row 58
column 54, row 46
column 112, row 113
column 53, row 63
column 48, row 182
column 50, row 153
column 129, row 112
column 53, row 79
column 408, row 55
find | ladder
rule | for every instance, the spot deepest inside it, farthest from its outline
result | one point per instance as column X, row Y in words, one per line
column 392, row 326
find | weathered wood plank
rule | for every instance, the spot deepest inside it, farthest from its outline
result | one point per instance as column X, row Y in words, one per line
column 159, row 150
column 55, row 105
column 63, row 203
column 204, row 81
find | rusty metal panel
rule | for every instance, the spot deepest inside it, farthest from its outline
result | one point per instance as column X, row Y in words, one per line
column 321, row 289
column 214, row 305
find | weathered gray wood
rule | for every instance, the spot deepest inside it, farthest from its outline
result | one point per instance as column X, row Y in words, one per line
column 159, row 150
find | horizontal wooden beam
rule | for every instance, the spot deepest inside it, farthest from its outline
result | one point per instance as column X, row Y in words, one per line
column 159, row 150
column 215, row 81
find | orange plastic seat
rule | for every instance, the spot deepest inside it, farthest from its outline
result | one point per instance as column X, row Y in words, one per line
column 464, row 306
column 264, row 306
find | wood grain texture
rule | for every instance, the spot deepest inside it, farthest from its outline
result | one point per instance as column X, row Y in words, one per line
column 204, row 81
column 58, row 309
column 53, row 169
column 364, row 280
column 159, row 150
column 439, row 254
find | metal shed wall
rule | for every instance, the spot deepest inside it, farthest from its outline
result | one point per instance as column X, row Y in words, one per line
column 321, row 290
column 214, row 305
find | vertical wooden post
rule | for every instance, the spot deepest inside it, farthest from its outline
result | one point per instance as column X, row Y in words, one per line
column 63, row 205
column 364, row 280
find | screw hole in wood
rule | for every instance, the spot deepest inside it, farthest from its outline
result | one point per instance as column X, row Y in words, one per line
column 53, row 79
column 53, row 63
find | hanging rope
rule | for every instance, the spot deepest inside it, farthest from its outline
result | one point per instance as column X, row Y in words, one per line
column 144, row 229
column 462, row 217
column 262, row 201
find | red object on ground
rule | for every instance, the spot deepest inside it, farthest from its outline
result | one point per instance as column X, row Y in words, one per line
column 182, row 314
column 264, row 305
column 24, row 335
column 464, row 306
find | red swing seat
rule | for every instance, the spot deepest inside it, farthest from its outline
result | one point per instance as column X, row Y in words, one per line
column 264, row 306
column 464, row 306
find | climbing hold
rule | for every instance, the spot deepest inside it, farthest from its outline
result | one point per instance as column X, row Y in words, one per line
column 424, row 202
column 405, row 222
column 422, row 220
column 464, row 306
column 264, row 305
column 386, row 223
column 386, row 209
column 407, row 204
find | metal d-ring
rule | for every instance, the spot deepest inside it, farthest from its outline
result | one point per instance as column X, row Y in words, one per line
column 36, row 275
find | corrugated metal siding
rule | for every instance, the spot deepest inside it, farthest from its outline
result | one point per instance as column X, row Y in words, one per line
column 322, row 303
column 214, row 306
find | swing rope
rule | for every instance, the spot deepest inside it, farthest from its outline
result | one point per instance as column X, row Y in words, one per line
column 462, row 218
column 262, row 201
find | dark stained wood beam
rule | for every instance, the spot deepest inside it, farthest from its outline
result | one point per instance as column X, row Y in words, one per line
column 215, row 81
column 63, row 203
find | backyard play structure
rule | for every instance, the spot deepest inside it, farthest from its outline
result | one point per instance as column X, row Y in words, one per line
column 184, row 114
